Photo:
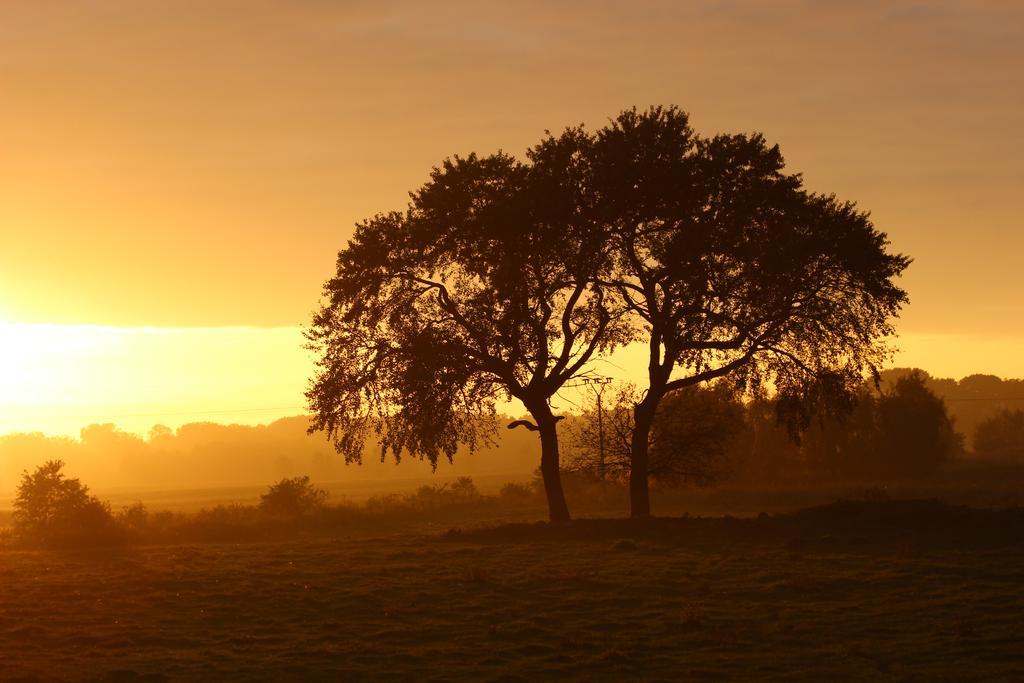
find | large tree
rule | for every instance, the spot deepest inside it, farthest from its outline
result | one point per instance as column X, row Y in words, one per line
column 487, row 287
column 734, row 270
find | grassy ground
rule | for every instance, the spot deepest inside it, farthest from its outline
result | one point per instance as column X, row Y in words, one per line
column 865, row 591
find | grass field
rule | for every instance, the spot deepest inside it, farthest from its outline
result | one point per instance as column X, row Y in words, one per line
column 859, row 591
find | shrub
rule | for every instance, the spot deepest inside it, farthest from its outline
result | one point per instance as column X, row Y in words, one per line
column 431, row 496
column 52, row 509
column 386, row 504
column 514, row 491
column 463, row 490
column 293, row 497
column 134, row 519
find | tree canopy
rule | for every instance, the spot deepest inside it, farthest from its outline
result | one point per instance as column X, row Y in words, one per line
column 487, row 286
column 732, row 269
column 691, row 439
column 506, row 278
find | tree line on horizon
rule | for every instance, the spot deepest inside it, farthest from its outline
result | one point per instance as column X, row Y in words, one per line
column 702, row 436
column 986, row 412
column 707, row 435
column 506, row 278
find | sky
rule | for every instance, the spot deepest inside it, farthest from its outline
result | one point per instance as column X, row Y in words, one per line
column 177, row 178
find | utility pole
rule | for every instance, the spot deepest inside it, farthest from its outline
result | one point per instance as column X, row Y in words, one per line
column 598, row 385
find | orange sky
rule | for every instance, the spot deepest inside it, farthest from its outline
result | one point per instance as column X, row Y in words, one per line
column 198, row 164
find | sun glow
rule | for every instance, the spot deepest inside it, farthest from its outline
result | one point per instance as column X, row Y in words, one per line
column 58, row 378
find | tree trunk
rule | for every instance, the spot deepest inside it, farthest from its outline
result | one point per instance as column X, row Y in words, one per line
column 558, row 510
column 639, row 493
column 550, row 469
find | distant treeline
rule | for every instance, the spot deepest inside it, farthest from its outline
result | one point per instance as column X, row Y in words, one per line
column 753, row 446
column 971, row 400
column 900, row 429
column 205, row 454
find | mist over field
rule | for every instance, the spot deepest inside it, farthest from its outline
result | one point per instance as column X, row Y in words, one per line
column 210, row 455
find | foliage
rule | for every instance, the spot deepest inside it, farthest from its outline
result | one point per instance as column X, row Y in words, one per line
column 587, row 436
column 504, row 278
column 52, row 509
column 134, row 518
column 903, row 432
column 1001, row 436
column 292, row 497
column 765, row 453
column 516, row 491
column 736, row 269
column 460, row 491
column 477, row 291
column 691, row 440
column 733, row 270
column 916, row 434
column 972, row 399
column 463, row 489
column 487, row 287
column 693, row 433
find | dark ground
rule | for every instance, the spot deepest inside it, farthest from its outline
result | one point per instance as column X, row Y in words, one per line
column 856, row 591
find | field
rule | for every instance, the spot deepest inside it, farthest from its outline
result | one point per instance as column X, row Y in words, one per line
column 857, row 591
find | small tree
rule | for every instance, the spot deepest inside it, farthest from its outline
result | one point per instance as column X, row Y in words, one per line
column 915, row 432
column 293, row 497
column 464, row 490
column 1001, row 436
column 690, row 440
column 904, row 432
column 55, row 510
column 599, row 442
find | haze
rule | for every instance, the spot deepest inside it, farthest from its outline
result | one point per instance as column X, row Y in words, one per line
column 208, row 473
column 190, row 173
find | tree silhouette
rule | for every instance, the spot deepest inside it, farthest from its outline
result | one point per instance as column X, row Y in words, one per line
column 691, row 437
column 901, row 432
column 506, row 278
column 1001, row 436
column 50, row 508
column 915, row 433
column 733, row 269
column 486, row 287
column 293, row 497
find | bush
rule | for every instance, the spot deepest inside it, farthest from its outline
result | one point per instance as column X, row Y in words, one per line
column 514, row 491
column 134, row 519
column 293, row 497
column 51, row 509
column 463, row 490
